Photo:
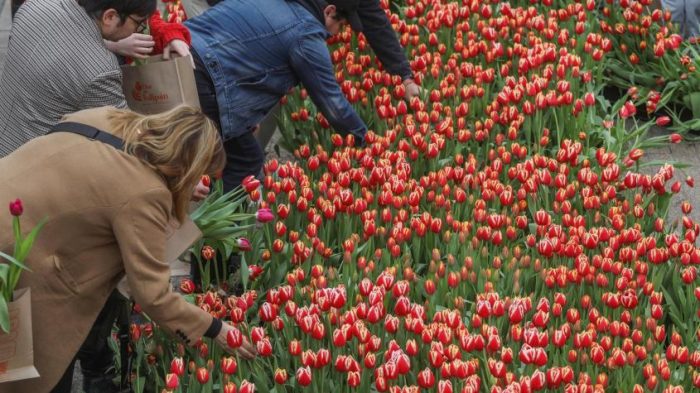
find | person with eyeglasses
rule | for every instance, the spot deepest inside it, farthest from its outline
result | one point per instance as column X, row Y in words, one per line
column 153, row 36
column 60, row 60
column 68, row 65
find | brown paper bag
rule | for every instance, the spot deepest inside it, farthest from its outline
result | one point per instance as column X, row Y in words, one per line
column 159, row 85
column 16, row 348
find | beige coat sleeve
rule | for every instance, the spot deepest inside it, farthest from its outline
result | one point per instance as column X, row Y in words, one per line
column 140, row 229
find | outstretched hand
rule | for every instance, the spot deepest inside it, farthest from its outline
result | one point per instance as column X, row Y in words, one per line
column 138, row 46
column 412, row 89
column 201, row 190
column 246, row 350
column 180, row 47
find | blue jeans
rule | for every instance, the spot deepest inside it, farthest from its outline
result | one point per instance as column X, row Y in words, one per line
column 687, row 14
column 244, row 156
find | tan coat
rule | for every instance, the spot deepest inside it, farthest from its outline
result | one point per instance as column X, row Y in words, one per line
column 107, row 215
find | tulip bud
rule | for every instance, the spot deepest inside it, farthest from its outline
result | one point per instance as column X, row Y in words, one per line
column 229, row 365
column 264, row 215
column 171, row 382
column 208, row 253
column 662, row 121
column 281, row 376
column 243, row 244
column 202, row 375
column 246, row 387
column 16, row 207
column 187, row 286
column 303, row 376
column 177, row 367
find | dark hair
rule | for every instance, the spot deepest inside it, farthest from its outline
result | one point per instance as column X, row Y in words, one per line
column 95, row 8
column 340, row 14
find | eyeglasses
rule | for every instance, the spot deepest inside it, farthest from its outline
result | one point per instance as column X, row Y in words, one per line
column 141, row 25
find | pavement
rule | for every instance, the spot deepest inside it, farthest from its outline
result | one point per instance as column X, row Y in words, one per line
column 685, row 152
column 5, row 24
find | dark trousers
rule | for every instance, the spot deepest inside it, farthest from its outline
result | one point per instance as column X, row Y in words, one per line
column 95, row 355
column 244, row 156
column 14, row 6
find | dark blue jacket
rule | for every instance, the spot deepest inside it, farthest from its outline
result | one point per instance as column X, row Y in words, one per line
column 256, row 50
column 382, row 38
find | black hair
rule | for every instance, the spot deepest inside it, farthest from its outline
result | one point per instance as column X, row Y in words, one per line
column 340, row 14
column 143, row 8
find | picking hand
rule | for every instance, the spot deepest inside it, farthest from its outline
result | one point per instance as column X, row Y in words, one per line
column 412, row 89
column 201, row 190
column 180, row 47
column 137, row 45
column 246, row 350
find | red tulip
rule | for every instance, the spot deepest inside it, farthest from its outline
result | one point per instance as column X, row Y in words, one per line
column 202, row 375
column 171, row 381
column 662, row 121
column 303, row 376
column 246, row 387
column 234, row 338
column 403, row 364
column 229, row 365
column 206, row 180
column 445, row 386
column 281, row 376
column 354, row 379
column 675, row 138
column 177, row 366
column 208, row 253
column 187, row 286
column 426, row 378
column 16, row 207
column 230, row 387
column 250, row 183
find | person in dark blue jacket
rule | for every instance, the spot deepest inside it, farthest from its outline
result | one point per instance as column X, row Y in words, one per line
column 249, row 53
column 376, row 28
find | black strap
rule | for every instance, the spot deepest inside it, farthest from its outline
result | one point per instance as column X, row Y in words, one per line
column 89, row 132
column 124, row 339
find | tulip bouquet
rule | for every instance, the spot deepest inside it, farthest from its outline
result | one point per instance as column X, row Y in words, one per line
column 498, row 234
column 224, row 219
column 13, row 265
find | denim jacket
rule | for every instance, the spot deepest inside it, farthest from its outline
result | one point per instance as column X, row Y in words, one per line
column 256, row 50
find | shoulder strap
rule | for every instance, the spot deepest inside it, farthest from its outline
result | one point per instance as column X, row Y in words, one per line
column 89, row 132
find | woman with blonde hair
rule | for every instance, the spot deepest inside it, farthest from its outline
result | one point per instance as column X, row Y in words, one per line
column 112, row 195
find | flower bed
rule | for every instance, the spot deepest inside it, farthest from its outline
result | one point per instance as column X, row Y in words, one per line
column 496, row 235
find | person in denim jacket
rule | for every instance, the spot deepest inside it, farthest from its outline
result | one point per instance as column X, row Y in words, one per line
column 249, row 53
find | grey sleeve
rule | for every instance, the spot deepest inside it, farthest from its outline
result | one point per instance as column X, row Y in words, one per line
column 105, row 90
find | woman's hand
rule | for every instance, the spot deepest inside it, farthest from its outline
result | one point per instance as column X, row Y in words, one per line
column 138, row 46
column 246, row 350
column 201, row 190
column 178, row 46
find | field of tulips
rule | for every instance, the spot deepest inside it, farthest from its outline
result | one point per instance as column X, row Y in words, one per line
column 498, row 234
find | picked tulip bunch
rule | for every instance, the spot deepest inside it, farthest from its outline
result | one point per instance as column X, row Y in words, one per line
column 224, row 220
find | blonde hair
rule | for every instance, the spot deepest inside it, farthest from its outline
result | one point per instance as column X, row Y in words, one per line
column 181, row 145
